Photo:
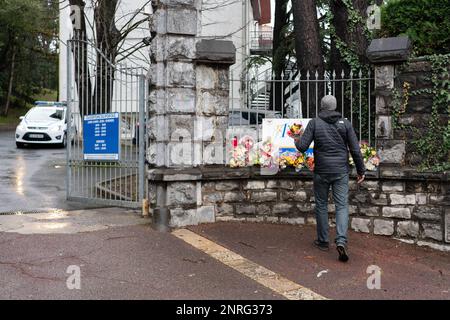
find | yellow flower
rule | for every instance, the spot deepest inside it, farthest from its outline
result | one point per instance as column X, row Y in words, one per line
column 299, row 161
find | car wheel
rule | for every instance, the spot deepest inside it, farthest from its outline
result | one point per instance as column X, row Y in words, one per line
column 64, row 142
column 19, row 145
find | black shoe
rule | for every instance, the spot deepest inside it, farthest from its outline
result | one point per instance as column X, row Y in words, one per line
column 343, row 256
column 324, row 246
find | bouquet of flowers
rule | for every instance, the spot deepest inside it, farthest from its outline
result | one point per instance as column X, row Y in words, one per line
column 264, row 154
column 242, row 153
column 370, row 157
column 310, row 163
column 245, row 152
column 296, row 130
column 292, row 159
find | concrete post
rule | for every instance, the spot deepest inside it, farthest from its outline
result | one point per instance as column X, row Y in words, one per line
column 391, row 151
column 385, row 54
column 188, row 111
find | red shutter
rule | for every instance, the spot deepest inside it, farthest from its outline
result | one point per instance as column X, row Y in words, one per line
column 266, row 14
column 261, row 11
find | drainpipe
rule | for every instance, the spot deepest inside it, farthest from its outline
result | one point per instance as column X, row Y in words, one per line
column 161, row 212
column 244, row 74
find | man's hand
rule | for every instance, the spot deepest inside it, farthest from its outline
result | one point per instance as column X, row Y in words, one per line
column 360, row 179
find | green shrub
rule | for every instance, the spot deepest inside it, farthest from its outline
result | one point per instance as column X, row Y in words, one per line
column 426, row 22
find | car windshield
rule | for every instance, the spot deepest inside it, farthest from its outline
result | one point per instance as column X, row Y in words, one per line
column 45, row 114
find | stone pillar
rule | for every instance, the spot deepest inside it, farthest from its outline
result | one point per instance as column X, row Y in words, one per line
column 172, row 77
column 214, row 59
column 391, row 151
column 386, row 54
column 188, row 113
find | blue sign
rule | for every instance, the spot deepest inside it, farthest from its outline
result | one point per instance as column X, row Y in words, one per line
column 101, row 137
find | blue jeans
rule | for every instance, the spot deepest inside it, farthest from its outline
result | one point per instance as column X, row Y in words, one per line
column 339, row 186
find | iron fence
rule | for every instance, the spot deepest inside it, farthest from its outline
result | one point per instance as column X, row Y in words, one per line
column 298, row 96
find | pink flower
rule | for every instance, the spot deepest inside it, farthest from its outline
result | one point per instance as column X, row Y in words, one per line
column 376, row 161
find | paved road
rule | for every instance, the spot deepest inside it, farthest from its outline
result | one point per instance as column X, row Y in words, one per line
column 32, row 178
column 407, row 271
column 119, row 256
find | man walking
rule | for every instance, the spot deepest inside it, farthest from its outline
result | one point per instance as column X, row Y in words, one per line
column 333, row 137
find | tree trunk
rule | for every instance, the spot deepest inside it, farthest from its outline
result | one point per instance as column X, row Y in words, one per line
column 278, row 54
column 355, row 41
column 340, row 17
column 359, row 37
column 11, row 80
column 308, row 52
column 81, row 64
column 107, row 41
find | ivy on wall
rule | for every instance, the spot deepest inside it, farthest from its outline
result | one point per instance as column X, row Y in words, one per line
column 399, row 104
column 348, row 52
column 432, row 144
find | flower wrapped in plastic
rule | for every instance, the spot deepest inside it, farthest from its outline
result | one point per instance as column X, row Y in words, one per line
column 295, row 130
column 292, row 159
column 265, row 154
column 242, row 153
column 370, row 157
column 310, row 163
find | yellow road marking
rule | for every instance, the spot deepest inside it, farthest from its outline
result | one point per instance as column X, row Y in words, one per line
column 264, row 276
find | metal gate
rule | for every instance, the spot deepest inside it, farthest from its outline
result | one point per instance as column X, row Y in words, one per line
column 97, row 86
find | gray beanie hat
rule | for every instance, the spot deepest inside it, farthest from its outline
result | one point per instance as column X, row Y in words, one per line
column 328, row 103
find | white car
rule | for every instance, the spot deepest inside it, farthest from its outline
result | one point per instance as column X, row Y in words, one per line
column 46, row 123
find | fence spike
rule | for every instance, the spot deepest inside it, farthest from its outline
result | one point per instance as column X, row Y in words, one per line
column 334, row 74
column 360, row 73
column 307, row 74
column 342, row 74
column 316, row 74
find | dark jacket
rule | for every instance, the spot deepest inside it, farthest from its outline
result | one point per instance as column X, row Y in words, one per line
column 333, row 138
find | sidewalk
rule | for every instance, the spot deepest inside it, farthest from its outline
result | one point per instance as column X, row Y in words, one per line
column 407, row 271
column 121, row 257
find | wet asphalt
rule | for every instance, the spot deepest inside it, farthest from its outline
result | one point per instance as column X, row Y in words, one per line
column 406, row 271
column 32, row 178
column 130, row 262
column 121, row 257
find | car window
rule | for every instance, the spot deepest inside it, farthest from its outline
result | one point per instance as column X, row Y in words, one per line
column 58, row 114
column 45, row 114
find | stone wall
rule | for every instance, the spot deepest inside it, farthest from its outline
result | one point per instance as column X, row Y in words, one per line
column 410, row 206
column 188, row 117
column 395, row 143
